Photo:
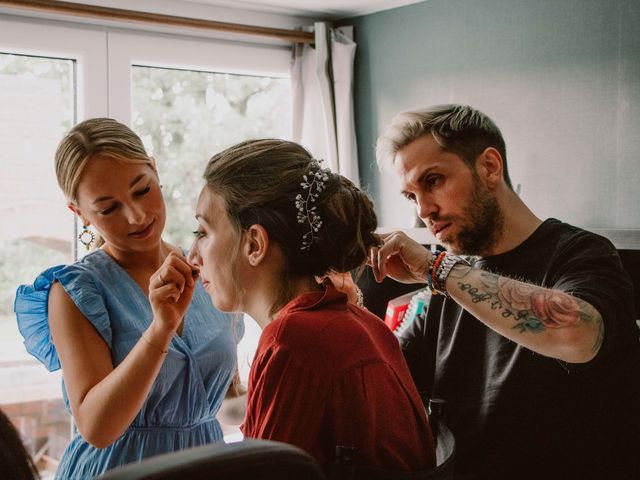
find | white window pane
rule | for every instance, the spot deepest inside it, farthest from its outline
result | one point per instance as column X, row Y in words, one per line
column 185, row 116
column 37, row 229
column 37, row 98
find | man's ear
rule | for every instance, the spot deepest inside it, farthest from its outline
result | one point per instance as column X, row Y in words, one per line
column 256, row 244
column 489, row 167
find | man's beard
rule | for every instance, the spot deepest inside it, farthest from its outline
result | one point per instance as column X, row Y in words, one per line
column 484, row 224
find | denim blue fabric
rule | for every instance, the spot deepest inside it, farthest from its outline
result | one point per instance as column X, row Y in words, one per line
column 181, row 407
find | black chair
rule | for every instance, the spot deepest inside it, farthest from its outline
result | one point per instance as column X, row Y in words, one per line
column 247, row 460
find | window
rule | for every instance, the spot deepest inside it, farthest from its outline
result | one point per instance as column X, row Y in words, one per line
column 188, row 98
column 47, row 82
column 37, row 95
column 185, row 116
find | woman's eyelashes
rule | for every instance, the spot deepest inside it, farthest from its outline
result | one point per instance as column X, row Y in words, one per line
column 108, row 210
column 142, row 192
column 199, row 233
column 137, row 193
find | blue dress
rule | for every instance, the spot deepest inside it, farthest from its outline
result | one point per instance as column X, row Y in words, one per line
column 180, row 411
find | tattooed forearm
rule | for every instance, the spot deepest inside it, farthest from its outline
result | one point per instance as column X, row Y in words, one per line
column 534, row 309
column 589, row 314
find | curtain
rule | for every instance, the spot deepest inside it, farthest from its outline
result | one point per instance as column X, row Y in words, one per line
column 323, row 111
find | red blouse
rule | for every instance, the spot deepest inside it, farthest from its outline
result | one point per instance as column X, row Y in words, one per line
column 329, row 373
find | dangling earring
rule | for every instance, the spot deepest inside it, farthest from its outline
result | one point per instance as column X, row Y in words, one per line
column 86, row 237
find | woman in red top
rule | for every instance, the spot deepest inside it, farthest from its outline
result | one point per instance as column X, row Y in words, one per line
column 326, row 372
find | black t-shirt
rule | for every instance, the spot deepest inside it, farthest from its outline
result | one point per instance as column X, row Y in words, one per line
column 517, row 414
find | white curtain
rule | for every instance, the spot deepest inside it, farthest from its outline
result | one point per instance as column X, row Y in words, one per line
column 322, row 84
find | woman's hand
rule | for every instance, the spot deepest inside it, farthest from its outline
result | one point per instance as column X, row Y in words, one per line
column 400, row 258
column 106, row 399
column 170, row 290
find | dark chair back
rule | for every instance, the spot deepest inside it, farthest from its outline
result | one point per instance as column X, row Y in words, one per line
column 247, row 460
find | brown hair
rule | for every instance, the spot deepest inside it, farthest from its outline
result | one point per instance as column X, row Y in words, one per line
column 15, row 461
column 259, row 181
column 458, row 129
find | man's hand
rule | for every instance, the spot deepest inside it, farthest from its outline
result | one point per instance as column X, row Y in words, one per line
column 343, row 282
column 400, row 258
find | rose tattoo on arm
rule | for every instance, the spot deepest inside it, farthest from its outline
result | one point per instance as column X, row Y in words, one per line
column 533, row 308
column 545, row 308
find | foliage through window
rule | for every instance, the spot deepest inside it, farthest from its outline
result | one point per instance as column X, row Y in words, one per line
column 37, row 97
column 184, row 117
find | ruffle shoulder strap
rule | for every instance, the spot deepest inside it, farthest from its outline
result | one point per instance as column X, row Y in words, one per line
column 32, row 302
column 31, row 308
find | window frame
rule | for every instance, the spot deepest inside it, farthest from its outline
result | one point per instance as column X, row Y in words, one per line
column 128, row 49
column 86, row 46
column 104, row 57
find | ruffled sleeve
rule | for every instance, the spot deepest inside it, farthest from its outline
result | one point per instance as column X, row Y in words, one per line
column 31, row 308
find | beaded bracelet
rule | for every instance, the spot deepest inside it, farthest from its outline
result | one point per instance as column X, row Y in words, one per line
column 441, row 273
column 436, row 258
column 434, row 270
column 429, row 281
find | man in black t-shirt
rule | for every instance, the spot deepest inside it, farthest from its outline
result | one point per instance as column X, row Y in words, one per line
column 533, row 341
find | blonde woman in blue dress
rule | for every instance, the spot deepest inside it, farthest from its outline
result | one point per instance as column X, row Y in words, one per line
column 139, row 378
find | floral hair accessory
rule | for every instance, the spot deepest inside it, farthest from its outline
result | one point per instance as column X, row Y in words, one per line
column 314, row 183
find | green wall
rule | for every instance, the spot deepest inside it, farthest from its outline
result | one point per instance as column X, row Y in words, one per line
column 561, row 78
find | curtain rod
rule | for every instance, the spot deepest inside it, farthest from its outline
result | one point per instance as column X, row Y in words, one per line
column 76, row 9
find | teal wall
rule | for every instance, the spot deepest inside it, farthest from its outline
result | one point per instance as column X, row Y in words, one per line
column 561, row 78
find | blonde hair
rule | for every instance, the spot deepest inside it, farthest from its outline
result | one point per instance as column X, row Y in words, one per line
column 95, row 137
column 459, row 129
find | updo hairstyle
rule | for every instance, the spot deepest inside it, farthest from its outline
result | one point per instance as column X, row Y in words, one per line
column 259, row 181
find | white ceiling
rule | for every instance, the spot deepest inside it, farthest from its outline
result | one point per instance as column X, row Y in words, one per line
column 329, row 9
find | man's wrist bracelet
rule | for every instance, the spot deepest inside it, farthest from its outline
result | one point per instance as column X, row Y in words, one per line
column 443, row 269
column 434, row 262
